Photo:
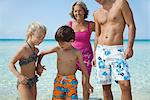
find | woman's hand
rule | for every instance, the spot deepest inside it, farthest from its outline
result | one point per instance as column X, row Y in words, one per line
column 90, row 88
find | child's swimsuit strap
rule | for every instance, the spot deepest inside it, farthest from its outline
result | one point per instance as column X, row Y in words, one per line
column 30, row 47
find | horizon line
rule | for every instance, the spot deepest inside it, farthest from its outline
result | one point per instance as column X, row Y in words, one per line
column 20, row 39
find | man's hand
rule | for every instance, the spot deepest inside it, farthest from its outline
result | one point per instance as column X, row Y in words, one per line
column 128, row 53
column 94, row 61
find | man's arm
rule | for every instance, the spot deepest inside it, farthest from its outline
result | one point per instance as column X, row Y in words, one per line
column 128, row 17
column 97, row 34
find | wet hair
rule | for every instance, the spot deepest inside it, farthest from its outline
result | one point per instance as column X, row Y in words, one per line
column 64, row 34
column 35, row 28
column 83, row 5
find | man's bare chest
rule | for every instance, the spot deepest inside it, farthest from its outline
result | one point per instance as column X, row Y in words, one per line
column 113, row 15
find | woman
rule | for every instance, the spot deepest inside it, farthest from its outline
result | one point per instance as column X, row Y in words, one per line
column 83, row 30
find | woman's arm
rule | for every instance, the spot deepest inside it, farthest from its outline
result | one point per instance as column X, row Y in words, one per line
column 85, row 72
column 82, row 65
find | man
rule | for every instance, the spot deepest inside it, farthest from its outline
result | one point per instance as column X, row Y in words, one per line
column 109, row 56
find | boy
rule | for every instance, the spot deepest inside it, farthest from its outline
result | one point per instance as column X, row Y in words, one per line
column 65, row 84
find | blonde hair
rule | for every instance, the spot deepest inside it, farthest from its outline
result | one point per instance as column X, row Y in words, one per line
column 83, row 5
column 35, row 27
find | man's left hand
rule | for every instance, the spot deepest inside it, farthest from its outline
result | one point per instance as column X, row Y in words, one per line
column 128, row 53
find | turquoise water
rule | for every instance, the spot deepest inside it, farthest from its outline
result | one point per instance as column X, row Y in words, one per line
column 139, row 68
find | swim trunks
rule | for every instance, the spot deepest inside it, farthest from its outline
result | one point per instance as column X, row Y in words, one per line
column 65, row 87
column 110, row 64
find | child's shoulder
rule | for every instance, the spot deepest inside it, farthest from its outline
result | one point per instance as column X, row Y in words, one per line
column 56, row 48
column 76, row 51
column 23, row 47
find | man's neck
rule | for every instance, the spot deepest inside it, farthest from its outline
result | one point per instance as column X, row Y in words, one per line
column 108, row 4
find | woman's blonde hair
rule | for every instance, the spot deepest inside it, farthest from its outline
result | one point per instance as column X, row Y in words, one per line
column 35, row 27
column 83, row 5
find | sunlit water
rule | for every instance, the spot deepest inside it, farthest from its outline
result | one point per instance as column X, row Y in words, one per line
column 139, row 68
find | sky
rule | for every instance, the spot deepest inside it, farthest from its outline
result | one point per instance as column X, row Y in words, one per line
column 16, row 15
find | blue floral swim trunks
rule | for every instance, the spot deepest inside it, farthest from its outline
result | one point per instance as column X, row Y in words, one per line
column 110, row 64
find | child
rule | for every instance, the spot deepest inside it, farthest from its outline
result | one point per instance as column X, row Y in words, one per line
column 65, row 84
column 27, row 56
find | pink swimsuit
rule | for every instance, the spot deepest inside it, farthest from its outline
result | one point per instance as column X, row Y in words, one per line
column 82, row 43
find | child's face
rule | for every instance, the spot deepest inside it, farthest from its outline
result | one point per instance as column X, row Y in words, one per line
column 38, row 38
column 78, row 12
column 64, row 45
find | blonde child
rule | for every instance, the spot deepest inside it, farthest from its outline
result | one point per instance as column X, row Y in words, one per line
column 65, row 83
column 27, row 57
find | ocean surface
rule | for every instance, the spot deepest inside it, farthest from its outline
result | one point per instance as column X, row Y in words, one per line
column 139, row 66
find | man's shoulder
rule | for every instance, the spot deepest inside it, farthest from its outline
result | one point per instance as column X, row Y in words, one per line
column 122, row 2
column 97, row 12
